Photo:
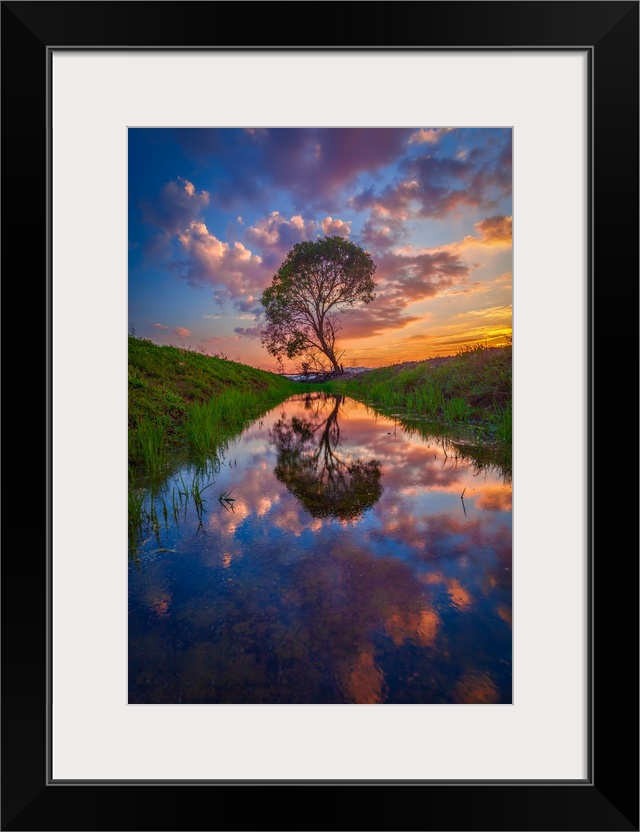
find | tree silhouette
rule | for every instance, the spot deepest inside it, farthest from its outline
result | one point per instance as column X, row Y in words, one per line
column 310, row 467
column 318, row 282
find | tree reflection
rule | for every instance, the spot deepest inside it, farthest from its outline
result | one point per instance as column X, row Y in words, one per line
column 310, row 467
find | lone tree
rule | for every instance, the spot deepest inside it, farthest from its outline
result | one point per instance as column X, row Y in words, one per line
column 317, row 283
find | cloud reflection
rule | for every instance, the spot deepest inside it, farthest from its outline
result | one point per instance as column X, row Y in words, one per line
column 315, row 589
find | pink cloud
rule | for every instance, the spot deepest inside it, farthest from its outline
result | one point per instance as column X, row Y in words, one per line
column 434, row 186
column 275, row 236
column 181, row 331
column 381, row 236
column 393, row 205
column 232, row 270
column 314, row 164
column 404, row 278
column 335, row 228
column 428, row 136
column 161, row 326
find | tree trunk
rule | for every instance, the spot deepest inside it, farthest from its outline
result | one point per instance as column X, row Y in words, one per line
column 326, row 349
column 330, row 355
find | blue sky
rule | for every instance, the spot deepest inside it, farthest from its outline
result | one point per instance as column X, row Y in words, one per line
column 213, row 213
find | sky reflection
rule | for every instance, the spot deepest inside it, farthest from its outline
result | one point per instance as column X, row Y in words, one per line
column 346, row 571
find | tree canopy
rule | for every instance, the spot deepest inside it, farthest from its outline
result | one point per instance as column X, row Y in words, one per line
column 317, row 283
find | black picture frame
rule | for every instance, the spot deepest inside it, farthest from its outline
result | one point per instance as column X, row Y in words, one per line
column 608, row 798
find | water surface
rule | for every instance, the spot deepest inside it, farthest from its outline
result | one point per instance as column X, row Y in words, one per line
column 356, row 562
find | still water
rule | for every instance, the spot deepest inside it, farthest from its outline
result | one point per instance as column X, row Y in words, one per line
column 353, row 561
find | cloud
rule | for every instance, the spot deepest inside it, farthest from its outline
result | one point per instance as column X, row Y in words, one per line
column 181, row 331
column 335, row 228
column 233, row 271
column 450, row 342
column 433, row 184
column 392, row 205
column 431, row 135
column 275, row 236
column 403, row 279
column 380, row 236
column 161, row 326
column 250, row 332
column 494, row 233
column 494, row 230
column 249, row 304
column 494, row 312
column 312, row 164
column 177, row 204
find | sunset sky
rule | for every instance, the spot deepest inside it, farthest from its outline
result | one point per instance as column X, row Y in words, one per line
column 213, row 213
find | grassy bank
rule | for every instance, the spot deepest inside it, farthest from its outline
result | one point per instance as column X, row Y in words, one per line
column 179, row 398
column 459, row 443
column 471, row 389
column 193, row 403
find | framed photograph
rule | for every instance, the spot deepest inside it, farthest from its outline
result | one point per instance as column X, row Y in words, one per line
column 320, row 416
column 519, row 726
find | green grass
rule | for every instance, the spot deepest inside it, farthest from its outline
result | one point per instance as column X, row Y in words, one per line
column 147, row 445
column 180, row 398
column 456, row 409
column 502, row 423
column 210, row 424
column 472, row 389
